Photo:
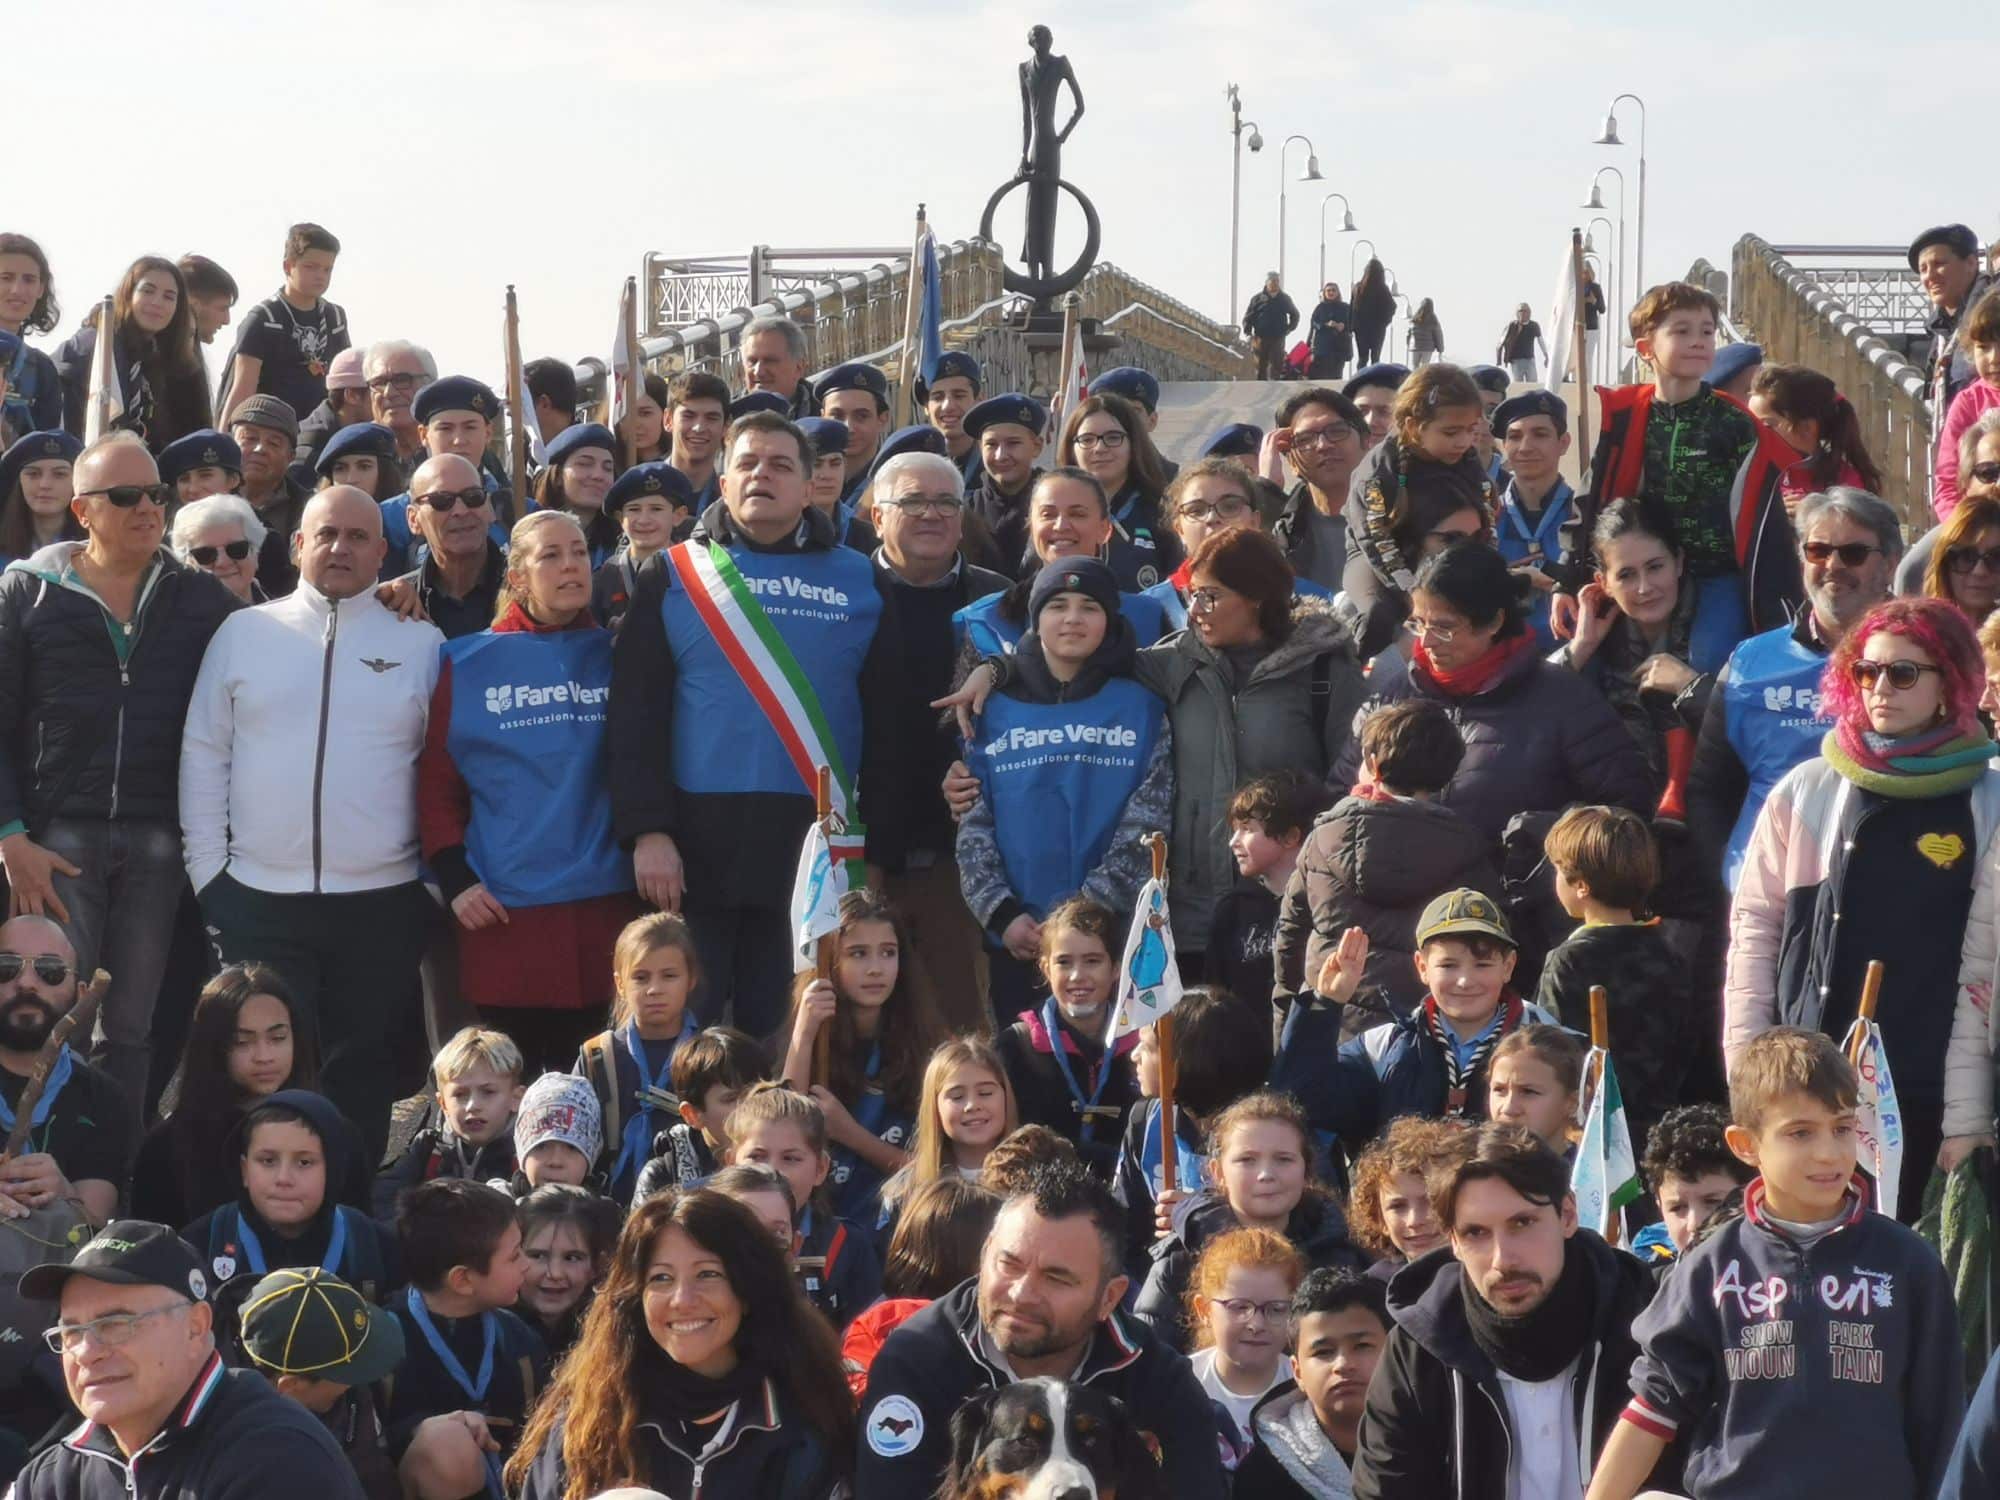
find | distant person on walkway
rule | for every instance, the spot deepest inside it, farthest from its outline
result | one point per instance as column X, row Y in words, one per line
column 1426, row 335
column 1269, row 320
column 1593, row 314
column 1518, row 344
column 1374, row 310
column 1332, row 336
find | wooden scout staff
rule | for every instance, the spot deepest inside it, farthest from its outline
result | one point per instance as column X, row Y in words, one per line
column 822, row 1068
column 1871, row 993
column 81, row 1016
column 1163, row 1032
column 517, row 417
column 1600, row 1039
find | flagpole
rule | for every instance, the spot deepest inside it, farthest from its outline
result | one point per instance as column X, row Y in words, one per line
column 823, row 959
column 1600, row 1040
column 103, row 388
column 1058, row 413
column 1577, row 361
column 1163, row 1033
column 635, row 375
column 913, row 298
column 517, row 444
column 1871, row 995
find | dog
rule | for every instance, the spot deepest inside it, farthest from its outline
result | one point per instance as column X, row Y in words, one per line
column 1045, row 1439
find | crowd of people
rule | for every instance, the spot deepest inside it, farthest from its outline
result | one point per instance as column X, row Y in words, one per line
column 453, row 1108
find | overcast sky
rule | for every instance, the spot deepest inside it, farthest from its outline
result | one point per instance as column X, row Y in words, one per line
column 456, row 146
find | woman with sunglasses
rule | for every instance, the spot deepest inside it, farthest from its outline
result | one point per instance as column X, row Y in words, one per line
column 1964, row 565
column 220, row 534
column 1106, row 437
column 1869, row 851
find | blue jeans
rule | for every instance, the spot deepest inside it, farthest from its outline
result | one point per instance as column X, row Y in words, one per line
column 121, row 919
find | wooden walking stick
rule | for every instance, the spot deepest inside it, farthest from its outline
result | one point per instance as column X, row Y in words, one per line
column 823, row 966
column 81, row 1016
column 1163, row 1031
column 1871, row 994
column 518, row 412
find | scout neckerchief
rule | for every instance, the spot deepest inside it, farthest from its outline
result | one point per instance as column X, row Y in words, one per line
column 1087, row 1110
column 253, row 1248
column 1542, row 541
column 58, row 1076
column 873, row 1103
column 636, row 1140
column 475, row 1389
column 1458, row 1075
column 764, row 662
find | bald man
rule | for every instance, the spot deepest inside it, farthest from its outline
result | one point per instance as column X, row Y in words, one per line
column 299, row 799
column 463, row 565
column 100, row 641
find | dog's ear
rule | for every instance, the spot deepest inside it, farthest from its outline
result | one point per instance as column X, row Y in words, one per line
column 1138, row 1473
column 968, row 1426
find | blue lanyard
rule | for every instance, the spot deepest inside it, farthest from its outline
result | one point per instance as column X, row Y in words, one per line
column 1086, row 1109
column 489, row 1330
column 58, row 1077
column 1555, row 509
column 873, row 1103
column 636, row 1048
column 253, row 1249
column 636, row 1139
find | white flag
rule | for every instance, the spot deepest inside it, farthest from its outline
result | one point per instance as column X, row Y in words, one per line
column 627, row 363
column 816, row 893
column 1562, row 324
column 1878, row 1123
column 536, row 449
column 106, row 404
column 1605, row 1177
column 1149, row 980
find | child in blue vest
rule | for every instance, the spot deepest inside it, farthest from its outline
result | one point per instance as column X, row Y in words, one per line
column 882, row 1033
column 654, row 969
column 1074, row 761
column 477, row 1076
column 293, row 1145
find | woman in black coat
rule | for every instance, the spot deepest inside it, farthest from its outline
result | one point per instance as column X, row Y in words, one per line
column 1374, row 311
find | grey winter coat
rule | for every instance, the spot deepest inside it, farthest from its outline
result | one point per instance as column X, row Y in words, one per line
column 1226, row 732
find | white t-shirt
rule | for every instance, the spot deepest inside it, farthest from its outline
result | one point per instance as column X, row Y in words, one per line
column 1238, row 1407
column 1543, row 1415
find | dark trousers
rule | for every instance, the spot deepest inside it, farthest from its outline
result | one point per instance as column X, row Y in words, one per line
column 1270, row 359
column 1329, row 367
column 746, row 966
column 351, row 959
column 549, row 1038
column 1368, row 348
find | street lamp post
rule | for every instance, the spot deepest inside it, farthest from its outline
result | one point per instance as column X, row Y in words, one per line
column 1236, row 129
column 1409, row 323
column 1596, row 200
column 1310, row 174
column 1609, row 137
column 1346, row 227
column 1352, row 251
column 1614, row 249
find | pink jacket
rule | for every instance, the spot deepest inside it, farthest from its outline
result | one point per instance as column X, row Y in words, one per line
column 1967, row 407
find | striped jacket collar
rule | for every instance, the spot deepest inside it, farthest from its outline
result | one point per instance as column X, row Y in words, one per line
column 93, row 1438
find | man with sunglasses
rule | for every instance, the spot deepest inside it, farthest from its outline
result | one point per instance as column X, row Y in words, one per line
column 457, row 415
column 298, row 799
column 1764, row 711
column 100, row 642
column 136, row 1333
column 463, row 568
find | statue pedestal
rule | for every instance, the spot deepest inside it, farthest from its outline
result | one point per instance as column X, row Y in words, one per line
column 1042, row 333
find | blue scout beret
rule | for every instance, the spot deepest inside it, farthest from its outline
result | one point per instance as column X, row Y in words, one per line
column 1131, row 382
column 1533, row 404
column 951, row 362
column 828, row 436
column 202, row 449
column 1732, row 360
column 1237, row 440
column 355, row 440
column 751, row 401
column 1021, row 411
column 581, row 435
column 657, row 478
column 1391, row 375
column 922, row 438
column 33, row 449
column 855, row 377
column 456, row 393
column 1490, row 378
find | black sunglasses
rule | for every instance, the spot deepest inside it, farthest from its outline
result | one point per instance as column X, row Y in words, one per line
column 1851, row 554
column 444, row 500
column 1965, row 559
column 47, row 969
column 125, row 496
column 206, row 555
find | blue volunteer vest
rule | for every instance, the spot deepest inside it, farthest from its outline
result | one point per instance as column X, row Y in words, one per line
column 981, row 624
column 826, row 607
column 1772, row 707
column 1057, row 776
column 527, row 734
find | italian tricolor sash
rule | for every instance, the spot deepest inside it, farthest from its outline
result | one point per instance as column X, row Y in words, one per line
column 772, row 675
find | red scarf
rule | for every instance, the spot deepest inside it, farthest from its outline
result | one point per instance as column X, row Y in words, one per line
column 1183, row 575
column 1477, row 675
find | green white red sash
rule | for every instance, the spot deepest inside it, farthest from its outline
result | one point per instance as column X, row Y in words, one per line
column 776, row 683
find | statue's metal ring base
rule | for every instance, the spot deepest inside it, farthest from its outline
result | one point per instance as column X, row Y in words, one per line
column 1046, row 289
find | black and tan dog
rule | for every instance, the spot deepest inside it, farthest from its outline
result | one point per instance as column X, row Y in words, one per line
column 1047, row 1440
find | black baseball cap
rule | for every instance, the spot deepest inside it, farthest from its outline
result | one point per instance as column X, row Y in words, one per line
column 125, row 1252
column 306, row 1322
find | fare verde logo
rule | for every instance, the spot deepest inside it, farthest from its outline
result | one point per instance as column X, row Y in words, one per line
column 509, row 696
column 798, row 588
column 1098, row 736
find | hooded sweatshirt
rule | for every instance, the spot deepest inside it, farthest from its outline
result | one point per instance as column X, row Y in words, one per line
column 1290, row 1454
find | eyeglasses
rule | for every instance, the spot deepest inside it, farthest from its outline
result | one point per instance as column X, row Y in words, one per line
column 1328, row 436
column 1902, row 675
column 1851, row 554
column 394, row 382
column 919, row 506
column 1988, row 472
column 109, row 1332
column 1203, row 601
column 1240, row 1309
column 206, row 556
column 1108, row 441
column 47, row 969
column 1965, row 559
column 1228, row 510
column 444, row 500
column 125, row 496
column 1427, row 630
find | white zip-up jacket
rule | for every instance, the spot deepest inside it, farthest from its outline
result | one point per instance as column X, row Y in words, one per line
column 299, row 762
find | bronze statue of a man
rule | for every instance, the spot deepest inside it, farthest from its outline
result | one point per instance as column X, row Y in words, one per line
column 1042, row 79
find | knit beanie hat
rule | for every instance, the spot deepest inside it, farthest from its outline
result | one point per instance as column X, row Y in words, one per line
column 559, row 1107
column 1074, row 575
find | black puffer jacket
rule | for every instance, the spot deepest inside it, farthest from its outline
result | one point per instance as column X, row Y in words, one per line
column 82, row 733
column 1375, row 865
column 1536, row 740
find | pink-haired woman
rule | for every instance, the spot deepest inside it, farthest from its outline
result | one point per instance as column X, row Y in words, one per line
column 1871, row 851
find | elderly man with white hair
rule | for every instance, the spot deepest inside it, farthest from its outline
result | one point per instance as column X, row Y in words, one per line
column 396, row 370
column 920, row 514
column 221, row 535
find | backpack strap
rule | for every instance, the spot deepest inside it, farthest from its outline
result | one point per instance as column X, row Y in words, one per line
column 600, row 1066
column 1322, row 695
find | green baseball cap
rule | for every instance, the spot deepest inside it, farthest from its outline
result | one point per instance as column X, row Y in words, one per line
column 307, row 1323
column 1464, row 912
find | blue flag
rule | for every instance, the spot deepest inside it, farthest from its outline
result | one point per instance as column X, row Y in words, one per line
column 930, row 318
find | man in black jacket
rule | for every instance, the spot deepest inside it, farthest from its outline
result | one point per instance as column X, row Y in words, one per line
column 1506, row 1370
column 1045, row 1303
column 1269, row 320
column 138, row 1351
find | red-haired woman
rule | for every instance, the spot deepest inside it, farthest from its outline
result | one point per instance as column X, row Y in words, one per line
column 1861, row 852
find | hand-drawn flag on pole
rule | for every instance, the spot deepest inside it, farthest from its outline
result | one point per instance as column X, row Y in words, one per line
column 1878, row 1121
column 1605, row 1177
column 1149, row 980
column 106, row 402
column 828, row 868
column 1562, row 323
